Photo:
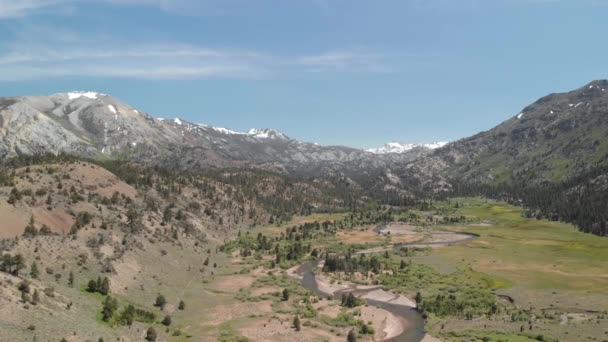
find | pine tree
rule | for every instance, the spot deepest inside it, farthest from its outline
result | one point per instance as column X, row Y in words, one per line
column 34, row 272
column 182, row 305
column 418, row 299
column 285, row 295
column 71, row 279
column 30, row 229
column 45, row 230
column 109, row 307
column 18, row 263
column 105, row 286
column 352, row 336
column 296, row 323
column 92, row 286
column 25, row 298
column 167, row 320
column 35, row 298
column 128, row 315
column 151, row 334
column 160, row 301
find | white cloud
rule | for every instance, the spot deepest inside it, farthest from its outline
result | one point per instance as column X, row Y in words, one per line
column 23, row 8
column 20, row 8
column 38, row 52
column 145, row 61
column 344, row 60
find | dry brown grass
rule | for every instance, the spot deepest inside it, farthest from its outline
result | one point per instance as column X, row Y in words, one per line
column 280, row 330
column 227, row 312
column 367, row 235
column 232, row 283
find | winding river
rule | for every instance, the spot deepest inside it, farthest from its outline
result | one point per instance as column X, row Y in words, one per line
column 412, row 320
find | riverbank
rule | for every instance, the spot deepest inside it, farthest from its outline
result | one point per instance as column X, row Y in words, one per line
column 399, row 319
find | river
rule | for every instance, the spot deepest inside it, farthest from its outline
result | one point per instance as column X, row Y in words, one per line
column 412, row 320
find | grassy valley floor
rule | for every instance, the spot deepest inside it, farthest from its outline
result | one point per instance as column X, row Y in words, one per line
column 520, row 280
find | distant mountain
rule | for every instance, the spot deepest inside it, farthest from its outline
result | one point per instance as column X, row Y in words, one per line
column 96, row 125
column 397, row 147
column 558, row 136
column 553, row 139
column 554, row 149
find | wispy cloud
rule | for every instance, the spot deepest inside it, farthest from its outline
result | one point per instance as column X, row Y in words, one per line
column 38, row 52
column 344, row 60
column 166, row 61
column 21, row 8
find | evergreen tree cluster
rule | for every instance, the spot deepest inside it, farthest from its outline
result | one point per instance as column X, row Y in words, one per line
column 12, row 264
column 100, row 285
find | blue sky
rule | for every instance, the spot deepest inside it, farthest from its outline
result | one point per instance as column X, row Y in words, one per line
column 352, row 72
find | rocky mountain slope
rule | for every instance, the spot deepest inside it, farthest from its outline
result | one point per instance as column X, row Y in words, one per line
column 553, row 139
column 99, row 126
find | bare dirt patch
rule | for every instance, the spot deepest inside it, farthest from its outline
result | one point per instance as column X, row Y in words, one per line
column 124, row 277
column 398, row 234
column 261, row 291
column 14, row 220
column 57, row 219
column 232, row 283
column 227, row 312
column 281, row 330
column 400, row 229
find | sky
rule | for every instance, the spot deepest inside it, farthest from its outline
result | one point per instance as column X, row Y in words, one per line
column 348, row 72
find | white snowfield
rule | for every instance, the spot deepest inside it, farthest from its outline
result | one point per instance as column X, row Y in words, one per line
column 266, row 133
column 397, row 147
column 88, row 94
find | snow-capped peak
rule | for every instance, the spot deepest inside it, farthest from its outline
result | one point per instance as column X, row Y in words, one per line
column 227, row 131
column 88, row 94
column 397, row 147
column 266, row 133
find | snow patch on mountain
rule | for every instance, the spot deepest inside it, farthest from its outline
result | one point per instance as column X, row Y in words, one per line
column 227, row 131
column 266, row 134
column 397, row 147
column 88, row 94
column 112, row 109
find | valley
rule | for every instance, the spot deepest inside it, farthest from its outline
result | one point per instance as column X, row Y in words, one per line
column 303, row 171
column 474, row 268
column 184, row 232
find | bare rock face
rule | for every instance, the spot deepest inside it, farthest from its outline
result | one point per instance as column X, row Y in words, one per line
column 551, row 140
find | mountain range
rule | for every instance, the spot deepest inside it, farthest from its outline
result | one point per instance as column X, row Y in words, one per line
column 96, row 125
column 552, row 140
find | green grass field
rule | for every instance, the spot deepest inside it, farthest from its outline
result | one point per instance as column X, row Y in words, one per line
column 549, row 269
column 530, row 253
